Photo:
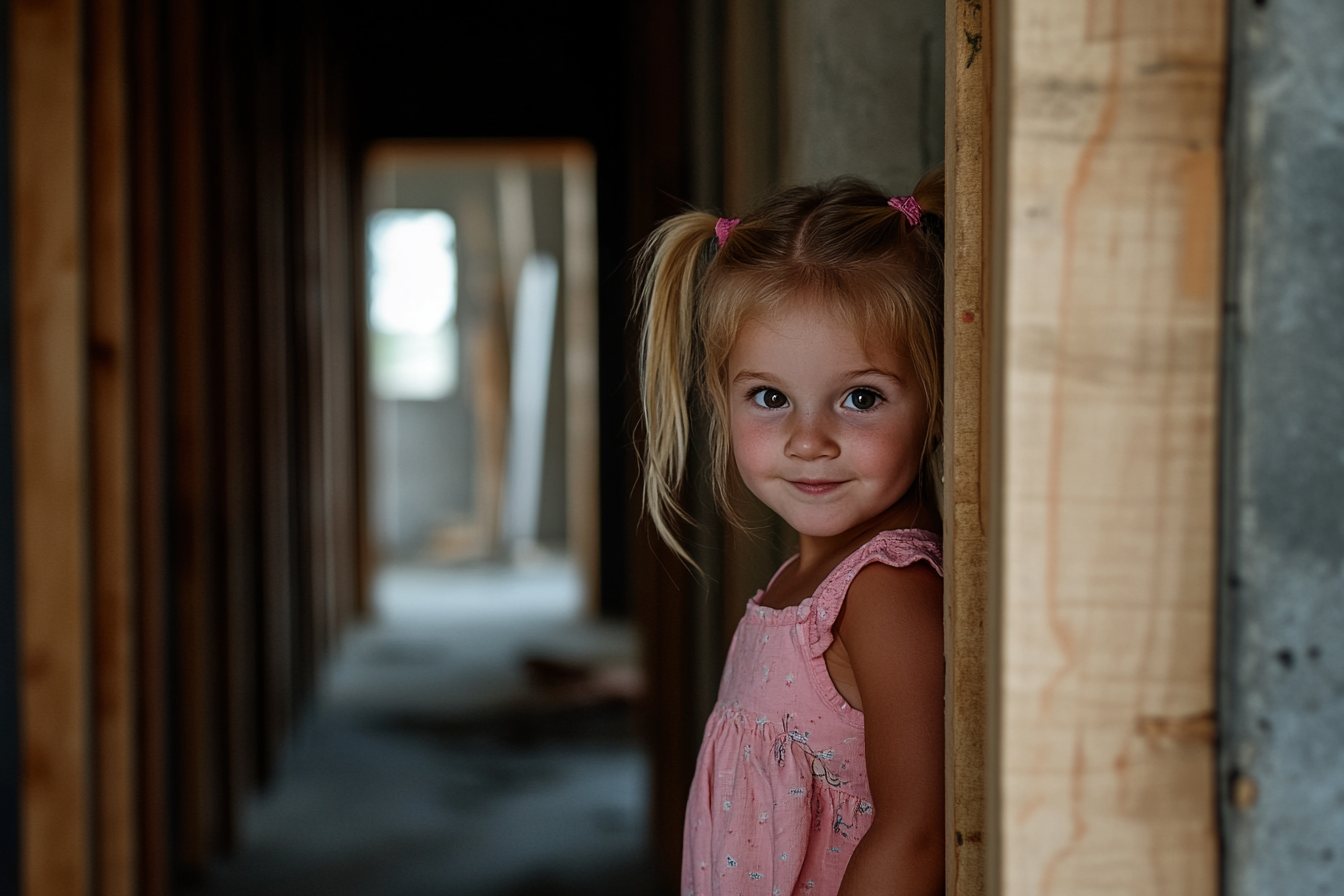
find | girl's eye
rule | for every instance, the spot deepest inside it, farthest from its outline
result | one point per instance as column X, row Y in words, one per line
column 770, row 398
column 862, row 400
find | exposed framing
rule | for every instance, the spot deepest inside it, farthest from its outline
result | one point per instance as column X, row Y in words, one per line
column 1103, row 392
column 969, row 64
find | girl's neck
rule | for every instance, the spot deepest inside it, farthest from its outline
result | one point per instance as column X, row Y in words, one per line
column 816, row 552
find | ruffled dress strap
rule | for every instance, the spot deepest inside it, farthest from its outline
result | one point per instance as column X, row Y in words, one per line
column 894, row 547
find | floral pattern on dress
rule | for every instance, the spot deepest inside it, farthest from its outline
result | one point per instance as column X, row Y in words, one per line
column 784, row 754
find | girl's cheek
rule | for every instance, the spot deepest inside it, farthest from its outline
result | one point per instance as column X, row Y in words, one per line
column 751, row 440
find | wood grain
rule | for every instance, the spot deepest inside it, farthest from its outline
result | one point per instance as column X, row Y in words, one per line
column 1107, row 193
column 112, row 465
column 964, row 537
column 47, row 129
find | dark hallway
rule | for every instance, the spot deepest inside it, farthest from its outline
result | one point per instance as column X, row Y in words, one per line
column 287, row 605
column 190, row 194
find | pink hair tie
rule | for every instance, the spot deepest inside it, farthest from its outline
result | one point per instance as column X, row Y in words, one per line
column 908, row 206
column 724, row 227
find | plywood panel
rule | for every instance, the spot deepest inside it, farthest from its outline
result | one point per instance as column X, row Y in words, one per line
column 47, row 107
column 1108, row 203
column 112, row 482
column 964, row 540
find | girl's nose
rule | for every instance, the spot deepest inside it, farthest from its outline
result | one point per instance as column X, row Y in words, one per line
column 811, row 439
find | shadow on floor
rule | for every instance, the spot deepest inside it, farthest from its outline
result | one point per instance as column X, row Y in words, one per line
column 492, row 758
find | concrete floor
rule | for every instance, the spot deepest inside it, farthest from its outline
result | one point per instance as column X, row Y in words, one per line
column 434, row 763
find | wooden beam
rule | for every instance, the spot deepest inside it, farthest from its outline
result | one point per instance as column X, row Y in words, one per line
column 1107, row 206
column 148, row 284
column 112, row 469
column 582, row 457
column 193, row 506
column 968, row 67
column 51, row 400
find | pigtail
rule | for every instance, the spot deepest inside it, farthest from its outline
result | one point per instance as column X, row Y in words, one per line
column 931, row 194
column 671, row 263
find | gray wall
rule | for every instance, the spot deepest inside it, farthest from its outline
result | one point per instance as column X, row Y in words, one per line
column 1282, row 662
column 862, row 89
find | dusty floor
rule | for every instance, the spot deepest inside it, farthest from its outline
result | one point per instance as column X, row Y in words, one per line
column 436, row 764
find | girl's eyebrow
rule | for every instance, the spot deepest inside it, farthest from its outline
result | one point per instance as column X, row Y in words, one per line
column 871, row 371
column 753, row 375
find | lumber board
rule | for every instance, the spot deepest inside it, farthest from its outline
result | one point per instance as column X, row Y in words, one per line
column 194, row 446
column 149, row 289
column 233, row 318
column 582, row 455
column 1107, row 200
column 968, row 49
column 276, row 411
column 47, row 130
column 112, row 463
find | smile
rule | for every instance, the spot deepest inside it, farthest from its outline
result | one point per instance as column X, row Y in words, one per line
column 816, row 486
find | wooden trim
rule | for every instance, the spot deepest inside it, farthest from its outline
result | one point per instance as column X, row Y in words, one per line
column 487, row 153
column 968, row 50
column 1106, row 298
column 582, row 454
column 51, row 416
column 111, row 422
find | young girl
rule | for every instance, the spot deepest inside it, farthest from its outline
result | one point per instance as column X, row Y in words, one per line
column 811, row 332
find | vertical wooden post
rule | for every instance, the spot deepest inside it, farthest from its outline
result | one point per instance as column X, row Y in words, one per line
column 1106, row 308
column 581, row 385
column 47, row 107
column 148, row 284
column 195, row 526
column 112, row 481
column 968, row 48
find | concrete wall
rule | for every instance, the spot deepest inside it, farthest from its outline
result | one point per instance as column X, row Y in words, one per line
column 1282, row 665
column 862, row 89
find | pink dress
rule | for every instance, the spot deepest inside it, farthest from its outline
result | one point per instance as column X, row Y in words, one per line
column 780, row 796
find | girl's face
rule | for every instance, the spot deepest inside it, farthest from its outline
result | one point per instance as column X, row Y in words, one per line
column 826, row 434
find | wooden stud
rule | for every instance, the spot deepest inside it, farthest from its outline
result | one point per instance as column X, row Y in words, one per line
column 275, row 410
column 1107, row 207
column 968, row 49
column 151, row 455
column 47, row 130
column 582, row 455
column 112, row 482
column 193, row 444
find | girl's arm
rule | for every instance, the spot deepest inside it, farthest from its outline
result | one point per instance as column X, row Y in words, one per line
column 891, row 627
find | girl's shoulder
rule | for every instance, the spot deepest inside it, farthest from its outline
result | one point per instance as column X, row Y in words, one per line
column 892, row 547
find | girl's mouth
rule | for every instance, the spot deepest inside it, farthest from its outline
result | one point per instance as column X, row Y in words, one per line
column 816, row 486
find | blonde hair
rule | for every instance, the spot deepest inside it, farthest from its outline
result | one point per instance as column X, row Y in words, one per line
column 839, row 241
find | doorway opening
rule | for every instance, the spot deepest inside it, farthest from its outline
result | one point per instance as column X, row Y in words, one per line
column 477, row 732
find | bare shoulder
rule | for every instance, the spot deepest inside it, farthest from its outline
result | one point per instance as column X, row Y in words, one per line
column 891, row 625
column 894, row 593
